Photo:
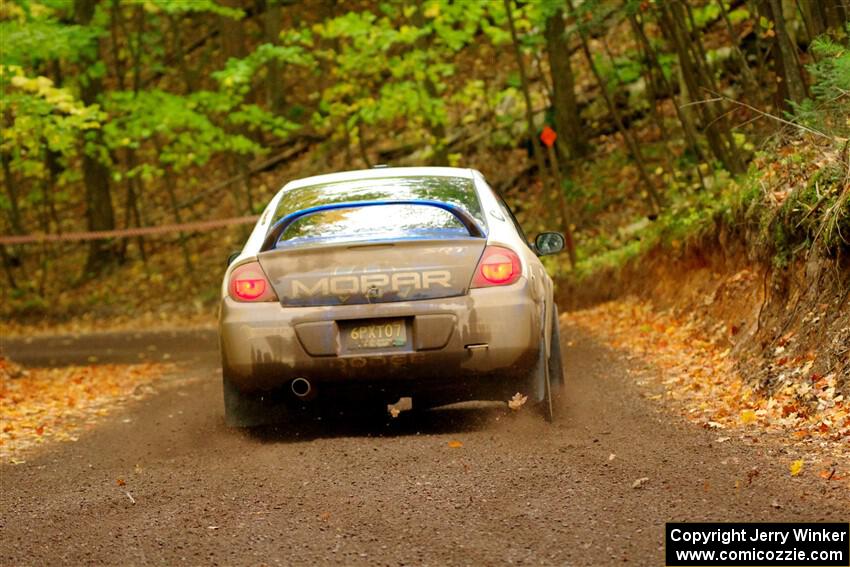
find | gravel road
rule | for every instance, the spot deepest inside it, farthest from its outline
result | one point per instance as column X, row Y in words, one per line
column 380, row 492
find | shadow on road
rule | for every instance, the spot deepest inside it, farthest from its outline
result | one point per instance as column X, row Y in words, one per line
column 458, row 418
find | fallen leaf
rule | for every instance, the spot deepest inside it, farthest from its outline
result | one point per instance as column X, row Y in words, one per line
column 56, row 403
column 517, row 401
column 796, row 467
column 830, row 475
column 748, row 416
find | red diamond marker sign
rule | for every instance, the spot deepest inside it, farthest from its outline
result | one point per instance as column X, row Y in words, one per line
column 548, row 136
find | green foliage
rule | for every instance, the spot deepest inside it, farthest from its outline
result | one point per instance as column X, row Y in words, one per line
column 193, row 6
column 704, row 15
column 829, row 107
column 32, row 43
column 238, row 74
column 388, row 66
column 622, row 70
column 410, row 76
column 38, row 117
column 816, row 215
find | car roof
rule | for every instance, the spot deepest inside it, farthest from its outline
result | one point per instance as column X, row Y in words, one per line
column 380, row 173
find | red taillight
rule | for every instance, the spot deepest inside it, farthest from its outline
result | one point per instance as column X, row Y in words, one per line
column 249, row 289
column 498, row 266
column 248, row 283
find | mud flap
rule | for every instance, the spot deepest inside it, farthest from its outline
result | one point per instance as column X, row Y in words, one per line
column 542, row 393
column 539, row 375
column 556, row 363
column 539, row 378
column 549, row 373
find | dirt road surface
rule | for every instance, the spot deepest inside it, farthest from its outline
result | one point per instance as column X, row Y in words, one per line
column 382, row 492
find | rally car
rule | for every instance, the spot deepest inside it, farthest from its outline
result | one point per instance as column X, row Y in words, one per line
column 363, row 287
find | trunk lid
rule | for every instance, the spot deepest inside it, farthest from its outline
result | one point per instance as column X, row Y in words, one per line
column 372, row 272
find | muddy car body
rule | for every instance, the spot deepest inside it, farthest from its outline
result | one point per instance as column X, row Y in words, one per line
column 362, row 287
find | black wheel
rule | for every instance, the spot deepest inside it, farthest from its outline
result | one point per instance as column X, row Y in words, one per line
column 243, row 409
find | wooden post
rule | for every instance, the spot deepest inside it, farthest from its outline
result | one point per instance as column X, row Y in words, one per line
column 548, row 138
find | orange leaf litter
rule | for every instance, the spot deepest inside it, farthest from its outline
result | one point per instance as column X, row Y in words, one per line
column 44, row 404
column 699, row 378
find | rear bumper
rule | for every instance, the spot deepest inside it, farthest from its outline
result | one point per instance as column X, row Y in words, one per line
column 490, row 336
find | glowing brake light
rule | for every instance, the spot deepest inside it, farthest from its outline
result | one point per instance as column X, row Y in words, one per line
column 248, row 282
column 498, row 266
column 250, row 289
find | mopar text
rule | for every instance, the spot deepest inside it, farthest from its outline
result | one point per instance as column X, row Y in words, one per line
column 351, row 284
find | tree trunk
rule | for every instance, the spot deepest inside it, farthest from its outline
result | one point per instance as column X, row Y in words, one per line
column 8, row 264
column 696, row 45
column 567, row 117
column 188, row 74
column 750, row 85
column 232, row 34
column 647, row 70
column 652, row 196
column 275, row 97
column 14, row 213
column 526, row 93
column 132, row 203
column 563, row 209
column 686, row 122
column 789, row 66
column 813, row 17
column 100, row 214
column 696, row 79
column 168, row 180
column 440, row 154
column 836, row 13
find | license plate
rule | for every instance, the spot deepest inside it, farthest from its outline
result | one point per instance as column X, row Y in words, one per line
column 386, row 333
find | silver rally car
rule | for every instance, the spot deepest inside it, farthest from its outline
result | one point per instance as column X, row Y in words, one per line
column 359, row 288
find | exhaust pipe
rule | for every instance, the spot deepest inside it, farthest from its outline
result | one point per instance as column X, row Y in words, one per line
column 301, row 387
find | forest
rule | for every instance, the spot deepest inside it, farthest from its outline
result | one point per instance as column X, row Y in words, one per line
column 694, row 153
column 673, row 119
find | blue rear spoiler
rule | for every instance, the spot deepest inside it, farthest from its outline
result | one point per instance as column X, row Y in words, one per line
column 278, row 228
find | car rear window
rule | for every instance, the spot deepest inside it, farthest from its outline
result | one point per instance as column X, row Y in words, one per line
column 389, row 221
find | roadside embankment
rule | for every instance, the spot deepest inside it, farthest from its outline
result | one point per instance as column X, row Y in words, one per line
column 752, row 350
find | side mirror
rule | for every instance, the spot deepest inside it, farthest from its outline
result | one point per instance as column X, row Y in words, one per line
column 233, row 256
column 549, row 243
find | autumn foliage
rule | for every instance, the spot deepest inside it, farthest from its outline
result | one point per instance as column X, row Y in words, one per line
column 57, row 404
